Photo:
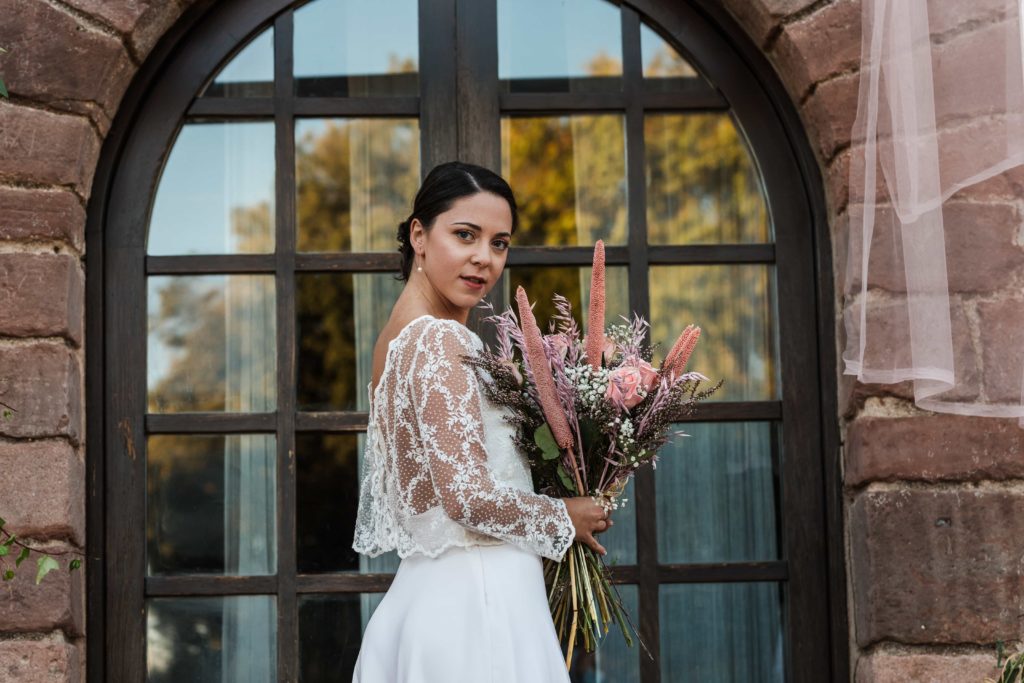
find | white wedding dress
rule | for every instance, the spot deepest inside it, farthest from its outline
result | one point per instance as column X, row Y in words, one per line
column 443, row 484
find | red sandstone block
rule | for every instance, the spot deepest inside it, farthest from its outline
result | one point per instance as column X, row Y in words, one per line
column 975, row 233
column 937, row 566
column 1001, row 324
column 142, row 21
column 885, row 667
column 829, row 113
column 42, row 215
column 57, row 602
column 42, row 147
column 42, row 381
column 43, row 496
column 56, row 59
column 50, row 660
column 819, row 45
column 41, row 295
column 933, row 448
column 888, row 342
column 760, row 18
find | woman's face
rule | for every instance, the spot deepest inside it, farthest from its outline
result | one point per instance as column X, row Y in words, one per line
column 464, row 253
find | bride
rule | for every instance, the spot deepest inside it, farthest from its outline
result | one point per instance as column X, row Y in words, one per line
column 442, row 482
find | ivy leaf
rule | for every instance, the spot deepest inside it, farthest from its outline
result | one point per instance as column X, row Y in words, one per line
column 545, row 441
column 21, row 557
column 4, row 93
column 46, row 563
column 4, row 549
column 567, row 480
column 74, row 564
column 10, row 541
column 2, row 522
column 8, row 575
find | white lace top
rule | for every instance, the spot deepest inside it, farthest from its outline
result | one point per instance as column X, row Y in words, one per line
column 440, row 468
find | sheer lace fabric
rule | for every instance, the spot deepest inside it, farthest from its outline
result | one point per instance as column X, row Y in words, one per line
column 440, row 469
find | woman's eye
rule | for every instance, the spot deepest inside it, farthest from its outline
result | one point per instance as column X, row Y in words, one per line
column 501, row 245
column 464, row 234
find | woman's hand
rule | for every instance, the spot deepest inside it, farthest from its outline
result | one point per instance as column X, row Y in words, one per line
column 589, row 518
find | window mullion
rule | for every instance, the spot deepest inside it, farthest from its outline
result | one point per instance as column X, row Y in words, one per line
column 284, row 257
column 438, row 135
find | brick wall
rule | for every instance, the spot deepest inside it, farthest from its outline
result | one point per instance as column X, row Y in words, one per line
column 935, row 560
column 68, row 65
column 933, row 550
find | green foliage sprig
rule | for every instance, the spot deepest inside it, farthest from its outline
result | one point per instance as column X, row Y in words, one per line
column 1012, row 671
column 3, row 87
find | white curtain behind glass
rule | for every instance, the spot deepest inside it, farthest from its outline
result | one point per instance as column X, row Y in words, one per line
column 941, row 109
column 249, row 476
column 373, row 296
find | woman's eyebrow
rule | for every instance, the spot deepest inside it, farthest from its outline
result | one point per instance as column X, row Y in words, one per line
column 474, row 225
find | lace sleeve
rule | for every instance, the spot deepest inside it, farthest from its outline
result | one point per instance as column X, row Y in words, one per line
column 447, row 405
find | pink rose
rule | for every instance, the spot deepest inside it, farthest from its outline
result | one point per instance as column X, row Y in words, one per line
column 626, row 386
column 608, row 352
column 648, row 375
column 559, row 343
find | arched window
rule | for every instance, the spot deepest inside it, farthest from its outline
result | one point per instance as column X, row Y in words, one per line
column 248, row 259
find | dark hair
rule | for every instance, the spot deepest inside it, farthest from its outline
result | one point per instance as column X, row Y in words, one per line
column 443, row 185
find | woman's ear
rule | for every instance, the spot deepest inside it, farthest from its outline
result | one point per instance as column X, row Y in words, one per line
column 416, row 235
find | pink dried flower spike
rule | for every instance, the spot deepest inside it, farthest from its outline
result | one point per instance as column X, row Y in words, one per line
column 595, row 321
column 677, row 358
column 542, row 372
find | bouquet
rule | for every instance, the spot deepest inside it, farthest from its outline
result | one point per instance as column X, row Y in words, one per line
column 588, row 413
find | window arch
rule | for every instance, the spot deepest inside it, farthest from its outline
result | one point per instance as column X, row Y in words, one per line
column 249, row 228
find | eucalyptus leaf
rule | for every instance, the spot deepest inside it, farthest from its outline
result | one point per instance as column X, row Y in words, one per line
column 545, row 441
column 22, row 556
column 46, row 563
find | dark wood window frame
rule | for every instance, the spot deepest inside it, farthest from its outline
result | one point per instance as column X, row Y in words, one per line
column 161, row 98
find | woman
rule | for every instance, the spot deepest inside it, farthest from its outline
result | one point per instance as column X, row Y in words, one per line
column 443, row 483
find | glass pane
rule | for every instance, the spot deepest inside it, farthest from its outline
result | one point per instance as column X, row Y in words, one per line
column 735, row 308
column 327, row 497
column 211, row 504
column 721, row 632
column 661, row 61
column 573, row 283
column 250, row 73
column 211, row 343
column 356, row 180
column 702, row 186
column 339, row 318
column 357, row 48
column 569, row 176
column 559, row 46
column 717, row 493
column 216, row 194
column 613, row 661
column 330, row 633
column 216, row 640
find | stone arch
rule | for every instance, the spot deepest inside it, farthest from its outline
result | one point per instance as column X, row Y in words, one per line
column 63, row 115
